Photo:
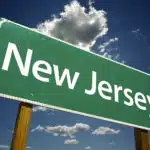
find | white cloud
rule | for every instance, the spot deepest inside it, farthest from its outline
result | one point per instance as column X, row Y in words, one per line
column 11, row 130
column 28, row 147
column 87, row 147
column 39, row 108
column 105, row 130
column 138, row 34
column 91, row 2
column 103, row 46
column 63, row 130
column 112, row 143
column 77, row 25
column 44, row 109
column 136, row 31
column 81, row 27
column 38, row 128
column 107, row 50
column 71, row 141
column 4, row 147
column 8, row 147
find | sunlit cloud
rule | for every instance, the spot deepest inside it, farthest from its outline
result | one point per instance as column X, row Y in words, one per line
column 63, row 130
column 71, row 141
column 103, row 46
column 77, row 25
column 82, row 27
column 39, row 108
column 28, row 147
column 8, row 147
column 112, row 143
column 4, row 147
column 87, row 147
column 38, row 128
column 104, row 131
column 138, row 34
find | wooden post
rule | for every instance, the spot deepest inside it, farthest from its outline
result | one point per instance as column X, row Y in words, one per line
column 141, row 139
column 21, row 127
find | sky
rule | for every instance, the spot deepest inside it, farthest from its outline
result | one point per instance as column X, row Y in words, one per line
column 118, row 30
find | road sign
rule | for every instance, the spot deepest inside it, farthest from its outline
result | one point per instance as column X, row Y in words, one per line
column 42, row 70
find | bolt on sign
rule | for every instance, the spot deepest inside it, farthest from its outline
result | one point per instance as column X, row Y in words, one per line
column 42, row 70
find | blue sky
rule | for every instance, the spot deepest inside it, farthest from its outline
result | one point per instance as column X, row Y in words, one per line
column 127, row 40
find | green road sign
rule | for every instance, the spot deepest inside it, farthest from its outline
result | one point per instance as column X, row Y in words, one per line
column 46, row 71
